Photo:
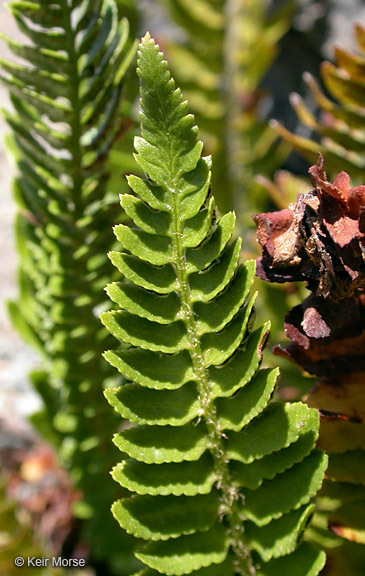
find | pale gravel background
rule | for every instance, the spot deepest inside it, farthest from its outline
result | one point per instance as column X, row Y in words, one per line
column 17, row 399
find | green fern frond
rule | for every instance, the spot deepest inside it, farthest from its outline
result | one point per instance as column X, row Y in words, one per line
column 341, row 126
column 222, row 478
column 229, row 46
column 66, row 92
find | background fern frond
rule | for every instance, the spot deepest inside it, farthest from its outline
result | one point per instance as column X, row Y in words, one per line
column 222, row 478
column 340, row 127
column 66, row 89
column 229, row 45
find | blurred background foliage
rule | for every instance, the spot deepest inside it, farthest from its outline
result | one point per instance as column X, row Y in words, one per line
column 237, row 62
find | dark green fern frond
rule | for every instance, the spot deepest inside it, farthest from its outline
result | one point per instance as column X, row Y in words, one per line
column 130, row 9
column 66, row 92
column 222, row 478
column 229, row 46
column 341, row 126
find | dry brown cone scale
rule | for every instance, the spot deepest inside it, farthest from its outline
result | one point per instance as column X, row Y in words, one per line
column 321, row 240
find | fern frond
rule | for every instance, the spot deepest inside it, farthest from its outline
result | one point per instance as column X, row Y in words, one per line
column 66, row 92
column 229, row 46
column 222, row 478
column 341, row 125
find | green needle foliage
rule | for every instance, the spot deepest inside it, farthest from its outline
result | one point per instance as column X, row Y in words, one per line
column 229, row 45
column 66, row 94
column 222, row 478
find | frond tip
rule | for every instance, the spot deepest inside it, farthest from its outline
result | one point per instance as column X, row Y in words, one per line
column 223, row 479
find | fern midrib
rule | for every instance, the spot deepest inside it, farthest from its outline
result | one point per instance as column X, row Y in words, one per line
column 95, row 394
column 233, row 112
column 229, row 508
column 237, row 143
column 230, row 496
